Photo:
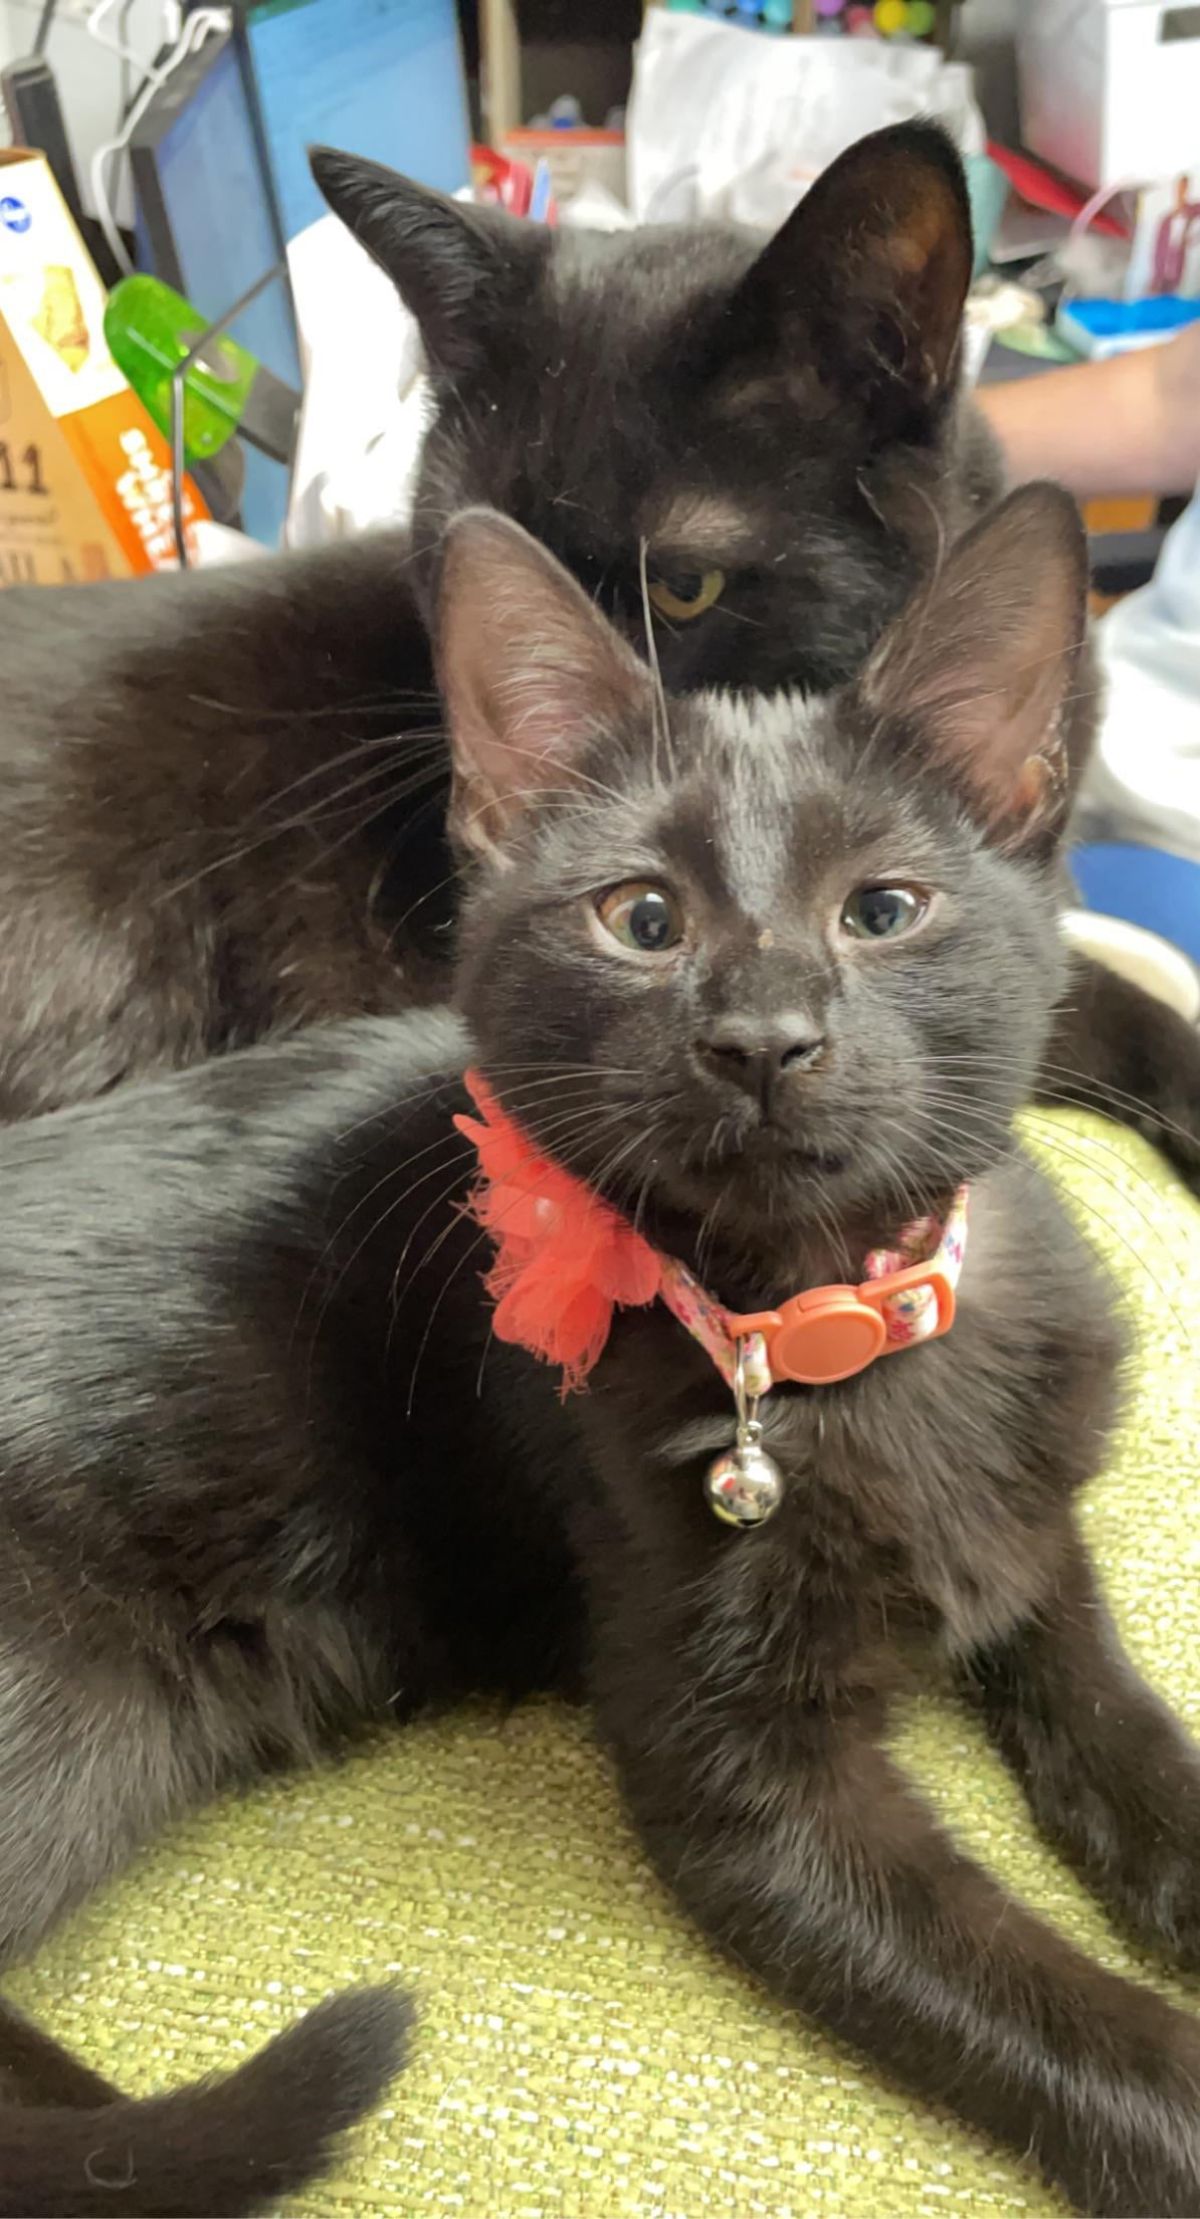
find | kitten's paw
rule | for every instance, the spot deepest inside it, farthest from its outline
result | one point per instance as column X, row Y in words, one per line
column 1167, row 1909
column 1155, row 1897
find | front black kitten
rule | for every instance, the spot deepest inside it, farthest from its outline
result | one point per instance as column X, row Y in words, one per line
column 779, row 427
column 772, row 975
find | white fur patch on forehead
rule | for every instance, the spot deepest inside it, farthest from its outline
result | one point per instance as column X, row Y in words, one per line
column 780, row 725
column 763, row 752
column 702, row 524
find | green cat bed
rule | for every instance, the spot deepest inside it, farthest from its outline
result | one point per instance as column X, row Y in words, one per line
column 581, row 2053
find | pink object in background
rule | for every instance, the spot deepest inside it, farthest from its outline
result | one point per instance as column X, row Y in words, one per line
column 1173, row 239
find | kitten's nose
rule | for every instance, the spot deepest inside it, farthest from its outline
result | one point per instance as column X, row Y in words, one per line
column 757, row 1054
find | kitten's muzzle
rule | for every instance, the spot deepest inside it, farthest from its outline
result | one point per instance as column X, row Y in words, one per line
column 762, row 1057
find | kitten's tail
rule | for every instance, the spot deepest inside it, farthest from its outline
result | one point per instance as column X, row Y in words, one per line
column 220, row 2149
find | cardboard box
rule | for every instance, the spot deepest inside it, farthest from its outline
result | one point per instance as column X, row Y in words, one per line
column 85, row 478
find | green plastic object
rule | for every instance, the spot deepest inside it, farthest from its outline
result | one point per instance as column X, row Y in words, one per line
column 149, row 330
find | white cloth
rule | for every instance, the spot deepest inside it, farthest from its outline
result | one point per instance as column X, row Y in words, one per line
column 1144, row 782
column 366, row 395
column 365, row 392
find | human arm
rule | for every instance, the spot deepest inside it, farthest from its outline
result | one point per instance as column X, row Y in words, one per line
column 1128, row 425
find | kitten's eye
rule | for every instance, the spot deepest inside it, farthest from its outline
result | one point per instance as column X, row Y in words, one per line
column 686, row 594
column 643, row 917
column 882, row 912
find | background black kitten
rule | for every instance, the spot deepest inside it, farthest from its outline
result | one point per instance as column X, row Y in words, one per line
column 231, row 1403
column 784, row 415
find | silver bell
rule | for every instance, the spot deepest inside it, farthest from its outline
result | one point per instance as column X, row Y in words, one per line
column 744, row 1486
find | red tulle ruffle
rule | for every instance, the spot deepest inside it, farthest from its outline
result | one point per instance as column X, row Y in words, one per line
column 564, row 1259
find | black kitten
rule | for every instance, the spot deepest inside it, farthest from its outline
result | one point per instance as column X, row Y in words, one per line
column 221, row 810
column 206, row 819
column 778, row 422
column 772, row 976
column 780, row 427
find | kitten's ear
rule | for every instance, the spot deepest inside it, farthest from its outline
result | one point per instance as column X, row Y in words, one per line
column 451, row 263
column 530, row 672
column 864, row 286
column 986, row 668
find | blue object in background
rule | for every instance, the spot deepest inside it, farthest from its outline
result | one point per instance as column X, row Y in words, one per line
column 1100, row 328
column 382, row 78
column 222, row 240
column 1157, row 317
column 1146, row 886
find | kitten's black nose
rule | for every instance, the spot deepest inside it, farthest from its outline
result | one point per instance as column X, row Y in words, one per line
column 757, row 1054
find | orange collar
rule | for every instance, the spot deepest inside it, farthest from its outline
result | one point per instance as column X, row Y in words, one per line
column 565, row 1260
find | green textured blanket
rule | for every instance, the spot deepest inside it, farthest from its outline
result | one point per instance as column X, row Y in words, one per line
column 581, row 2055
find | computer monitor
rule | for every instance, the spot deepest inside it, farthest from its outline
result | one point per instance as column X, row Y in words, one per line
column 383, row 78
column 205, row 224
column 220, row 164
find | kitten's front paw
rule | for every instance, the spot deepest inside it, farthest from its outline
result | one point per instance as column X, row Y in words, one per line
column 1164, row 1906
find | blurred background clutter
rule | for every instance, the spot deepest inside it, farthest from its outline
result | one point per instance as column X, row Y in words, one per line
column 197, row 361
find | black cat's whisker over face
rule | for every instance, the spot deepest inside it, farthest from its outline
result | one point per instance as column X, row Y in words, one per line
column 800, row 929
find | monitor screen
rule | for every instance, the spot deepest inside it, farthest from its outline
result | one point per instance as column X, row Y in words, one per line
column 382, row 78
column 212, row 236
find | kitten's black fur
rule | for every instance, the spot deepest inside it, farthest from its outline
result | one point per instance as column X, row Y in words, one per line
column 791, row 415
column 216, row 823
column 786, row 412
column 224, row 2147
column 206, row 820
column 263, row 1464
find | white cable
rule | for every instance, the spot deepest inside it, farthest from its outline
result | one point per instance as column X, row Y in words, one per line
column 196, row 30
column 1093, row 207
column 117, row 46
column 152, row 77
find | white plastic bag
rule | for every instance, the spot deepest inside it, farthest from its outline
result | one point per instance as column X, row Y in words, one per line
column 734, row 124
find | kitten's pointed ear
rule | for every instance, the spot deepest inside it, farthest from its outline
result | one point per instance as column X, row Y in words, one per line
column 864, row 286
column 530, row 672
column 451, row 263
column 987, row 669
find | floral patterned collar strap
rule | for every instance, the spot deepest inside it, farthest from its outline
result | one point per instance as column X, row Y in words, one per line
column 830, row 1333
column 565, row 1260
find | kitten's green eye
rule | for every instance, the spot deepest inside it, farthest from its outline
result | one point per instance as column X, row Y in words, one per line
column 686, row 594
column 883, row 912
column 642, row 917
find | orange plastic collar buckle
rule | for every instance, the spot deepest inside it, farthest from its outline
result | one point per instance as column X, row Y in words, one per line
column 831, row 1333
